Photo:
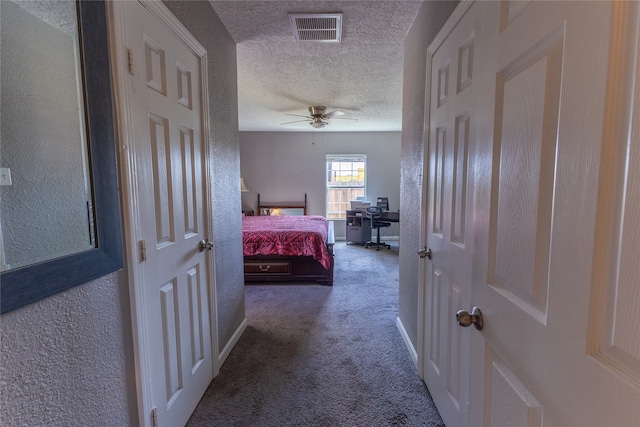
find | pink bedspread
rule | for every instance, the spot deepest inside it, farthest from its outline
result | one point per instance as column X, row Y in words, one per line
column 286, row 235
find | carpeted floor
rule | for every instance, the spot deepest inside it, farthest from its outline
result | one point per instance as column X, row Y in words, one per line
column 322, row 356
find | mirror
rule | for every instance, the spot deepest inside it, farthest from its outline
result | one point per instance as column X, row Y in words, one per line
column 61, row 219
column 43, row 150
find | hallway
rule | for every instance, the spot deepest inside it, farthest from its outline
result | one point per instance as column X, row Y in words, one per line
column 322, row 356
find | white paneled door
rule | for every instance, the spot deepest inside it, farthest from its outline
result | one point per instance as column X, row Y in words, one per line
column 454, row 108
column 533, row 202
column 165, row 143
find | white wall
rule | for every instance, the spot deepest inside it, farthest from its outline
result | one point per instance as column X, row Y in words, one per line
column 67, row 360
column 283, row 166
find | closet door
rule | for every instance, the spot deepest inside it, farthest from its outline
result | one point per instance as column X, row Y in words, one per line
column 165, row 114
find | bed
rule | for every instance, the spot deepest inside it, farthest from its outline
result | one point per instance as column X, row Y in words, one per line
column 287, row 248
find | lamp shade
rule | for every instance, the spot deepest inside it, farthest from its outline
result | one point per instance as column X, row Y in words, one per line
column 243, row 188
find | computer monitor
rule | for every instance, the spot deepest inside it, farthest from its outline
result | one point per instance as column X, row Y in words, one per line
column 383, row 202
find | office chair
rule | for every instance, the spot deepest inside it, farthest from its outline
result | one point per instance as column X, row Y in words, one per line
column 374, row 213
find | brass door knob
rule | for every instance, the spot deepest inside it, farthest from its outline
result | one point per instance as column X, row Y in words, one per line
column 205, row 244
column 466, row 319
column 425, row 253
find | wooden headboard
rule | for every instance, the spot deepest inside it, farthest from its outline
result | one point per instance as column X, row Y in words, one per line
column 266, row 208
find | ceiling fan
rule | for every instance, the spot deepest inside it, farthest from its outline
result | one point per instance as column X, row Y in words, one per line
column 318, row 117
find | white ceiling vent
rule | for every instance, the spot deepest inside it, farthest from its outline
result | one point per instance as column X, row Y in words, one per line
column 316, row 28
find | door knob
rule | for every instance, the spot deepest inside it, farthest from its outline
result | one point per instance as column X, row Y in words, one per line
column 466, row 319
column 204, row 245
column 425, row 253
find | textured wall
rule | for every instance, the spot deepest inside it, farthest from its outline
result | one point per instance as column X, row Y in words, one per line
column 204, row 24
column 432, row 15
column 67, row 360
column 283, row 166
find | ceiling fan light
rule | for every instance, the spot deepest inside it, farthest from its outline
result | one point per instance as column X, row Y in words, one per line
column 318, row 124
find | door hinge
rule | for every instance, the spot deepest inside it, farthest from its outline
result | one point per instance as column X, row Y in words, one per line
column 130, row 61
column 143, row 251
column 154, row 417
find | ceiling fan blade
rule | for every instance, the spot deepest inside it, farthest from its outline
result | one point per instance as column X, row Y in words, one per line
column 296, row 121
column 344, row 118
column 298, row 115
column 333, row 114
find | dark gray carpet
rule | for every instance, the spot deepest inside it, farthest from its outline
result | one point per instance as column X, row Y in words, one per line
column 322, row 356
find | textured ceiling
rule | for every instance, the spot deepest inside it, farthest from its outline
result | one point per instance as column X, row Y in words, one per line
column 361, row 76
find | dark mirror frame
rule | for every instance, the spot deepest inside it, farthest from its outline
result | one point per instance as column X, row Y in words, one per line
column 29, row 284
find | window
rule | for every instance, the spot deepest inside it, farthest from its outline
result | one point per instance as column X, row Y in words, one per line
column 346, row 175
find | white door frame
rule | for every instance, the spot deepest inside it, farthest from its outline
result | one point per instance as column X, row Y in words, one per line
column 132, row 215
column 423, row 291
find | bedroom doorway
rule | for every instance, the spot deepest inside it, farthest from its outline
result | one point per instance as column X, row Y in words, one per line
column 161, row 75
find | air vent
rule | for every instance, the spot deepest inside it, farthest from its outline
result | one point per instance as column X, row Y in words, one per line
column 316, row 28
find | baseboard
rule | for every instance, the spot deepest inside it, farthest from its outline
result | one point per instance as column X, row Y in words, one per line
column 232, row 342
column 407, row 342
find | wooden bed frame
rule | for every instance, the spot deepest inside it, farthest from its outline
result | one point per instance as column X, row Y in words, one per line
column 265, row 208
column 281, row 268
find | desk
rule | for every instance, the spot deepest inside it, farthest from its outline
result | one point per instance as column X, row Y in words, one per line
column 359, row 226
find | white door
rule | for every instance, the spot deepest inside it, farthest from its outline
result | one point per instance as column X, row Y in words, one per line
column 555, row 229
column 165, row 142
column 453, row 100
